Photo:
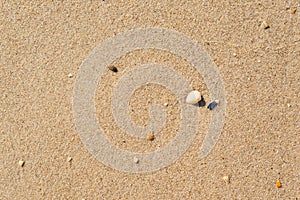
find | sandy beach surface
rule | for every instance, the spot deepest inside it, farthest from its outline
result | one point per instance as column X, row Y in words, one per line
column 255, row 45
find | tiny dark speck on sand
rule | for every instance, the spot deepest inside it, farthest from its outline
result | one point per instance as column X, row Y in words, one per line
column 112, row 68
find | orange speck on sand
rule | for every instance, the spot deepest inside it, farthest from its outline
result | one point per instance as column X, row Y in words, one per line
column 150, row 137
column 278, row 184
column 293, row 10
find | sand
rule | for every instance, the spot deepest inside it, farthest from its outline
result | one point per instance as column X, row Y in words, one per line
column 42, row 154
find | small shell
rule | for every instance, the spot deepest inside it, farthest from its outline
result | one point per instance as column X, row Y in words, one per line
column 293, row 10
column 278, row 184
column 150, row 137
column 226, row 179
column 136, row 160
column 21, row 163
column 265, row 25
column 193, row 97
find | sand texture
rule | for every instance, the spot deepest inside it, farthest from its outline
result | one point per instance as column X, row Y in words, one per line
column 255, row 45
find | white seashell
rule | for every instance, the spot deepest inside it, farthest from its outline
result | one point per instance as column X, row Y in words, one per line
column 21, row 163
column 193, row 97
column 136, row 160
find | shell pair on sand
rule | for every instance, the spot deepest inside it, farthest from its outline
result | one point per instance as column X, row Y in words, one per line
column 194, row 97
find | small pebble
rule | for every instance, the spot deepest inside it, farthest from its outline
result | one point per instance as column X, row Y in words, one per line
column 234, row 54
column 293, row 10
column 70, row 159
column 113, row 68
column 166, row 104
column 193, row 97
column 226, row 179
column 289, row 105
column 265, row 25
column 150, row 137
column 213, row 104
column 70, row 75
column 202, row 102
column 136, row 160
column 278, row 184
column 21, row 163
